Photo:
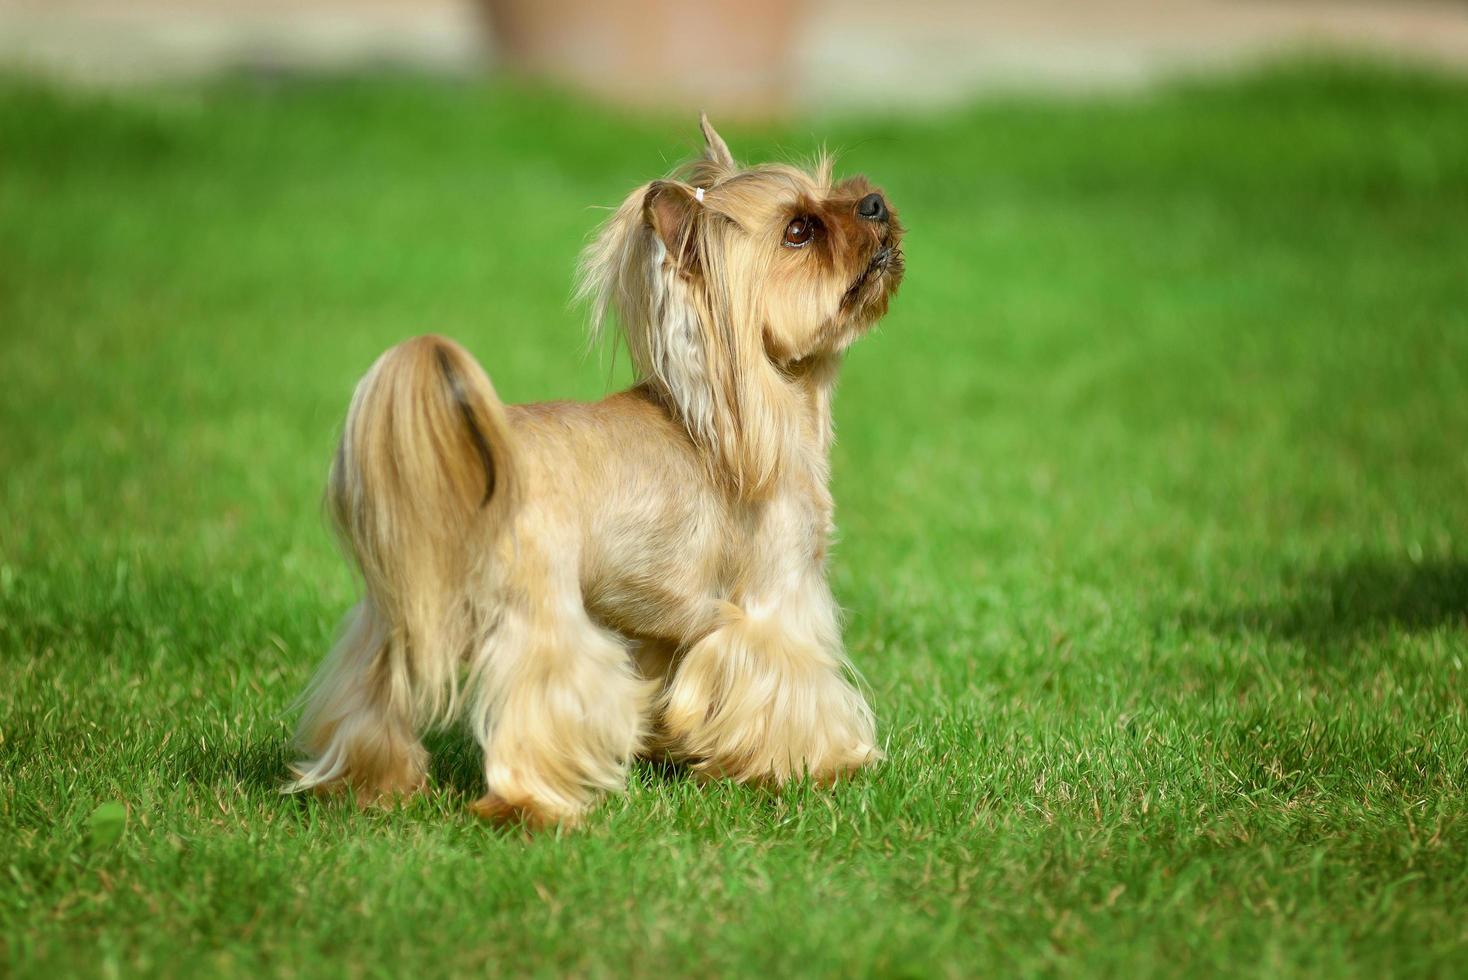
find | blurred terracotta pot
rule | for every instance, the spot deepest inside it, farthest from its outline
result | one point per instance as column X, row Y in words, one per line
column 733, row 58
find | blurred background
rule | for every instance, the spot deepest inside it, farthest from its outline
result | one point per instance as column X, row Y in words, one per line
column 1154, row 537
column 752, row 57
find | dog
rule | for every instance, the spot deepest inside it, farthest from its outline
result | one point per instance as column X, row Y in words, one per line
column 642, row 575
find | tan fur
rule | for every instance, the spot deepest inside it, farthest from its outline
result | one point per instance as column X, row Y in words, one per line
column 645, row 573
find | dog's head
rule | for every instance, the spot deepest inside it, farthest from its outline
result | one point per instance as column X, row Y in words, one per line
column 732, row 283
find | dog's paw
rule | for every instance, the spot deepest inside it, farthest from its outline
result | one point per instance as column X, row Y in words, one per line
column 495, row 809
column 368, row 787
column 750, row 704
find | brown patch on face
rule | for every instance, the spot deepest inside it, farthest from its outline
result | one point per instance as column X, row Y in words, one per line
column 871, row 237
column 859, row 250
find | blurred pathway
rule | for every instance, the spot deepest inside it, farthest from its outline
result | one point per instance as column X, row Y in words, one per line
column 853, row 52
column 940, row 50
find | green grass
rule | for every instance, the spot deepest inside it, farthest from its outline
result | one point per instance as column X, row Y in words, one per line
column 1154, row 504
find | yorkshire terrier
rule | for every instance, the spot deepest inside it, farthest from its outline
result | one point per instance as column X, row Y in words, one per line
column 644, row 574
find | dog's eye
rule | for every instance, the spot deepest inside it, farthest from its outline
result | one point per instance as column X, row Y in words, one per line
column 799, row 233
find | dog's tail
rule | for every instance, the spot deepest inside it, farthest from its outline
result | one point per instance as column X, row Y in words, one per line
column 423, row 478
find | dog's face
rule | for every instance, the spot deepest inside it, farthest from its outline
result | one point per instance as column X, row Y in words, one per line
column 810, row 264
column 727, row 279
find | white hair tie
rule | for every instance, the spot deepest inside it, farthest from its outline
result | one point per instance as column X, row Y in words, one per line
column 698, row 194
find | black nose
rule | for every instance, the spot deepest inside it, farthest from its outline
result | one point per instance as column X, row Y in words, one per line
column 872, row 207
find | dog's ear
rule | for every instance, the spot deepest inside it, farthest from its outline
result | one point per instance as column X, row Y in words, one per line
column 661, row 264
column 668, row 208
column 660, row 289
column 703, row 347
column 715, row 150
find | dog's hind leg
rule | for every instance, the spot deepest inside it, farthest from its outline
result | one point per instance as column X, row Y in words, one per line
column 358, row 723
column 422, row 482
column 559, row 708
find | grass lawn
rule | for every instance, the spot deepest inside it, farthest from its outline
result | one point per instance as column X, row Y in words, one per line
column 1153, row 492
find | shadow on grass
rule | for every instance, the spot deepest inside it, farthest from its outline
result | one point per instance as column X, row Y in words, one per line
column 1366, row 597
column 258, row 764
column 455, row 764
column 262, row 766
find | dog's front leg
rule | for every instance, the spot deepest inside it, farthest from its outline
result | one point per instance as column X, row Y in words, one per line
column 766, row 696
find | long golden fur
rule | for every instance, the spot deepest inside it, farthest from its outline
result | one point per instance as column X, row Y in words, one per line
column 588, row 582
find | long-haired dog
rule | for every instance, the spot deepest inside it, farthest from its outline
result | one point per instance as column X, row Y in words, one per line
column 643, row 574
